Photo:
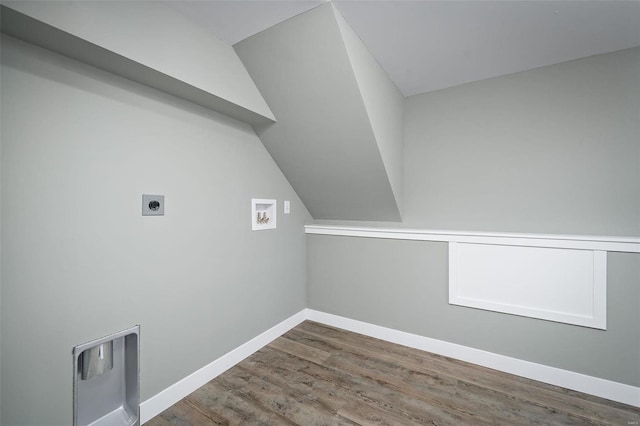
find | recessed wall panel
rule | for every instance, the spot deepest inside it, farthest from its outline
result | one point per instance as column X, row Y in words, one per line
column 563, row 285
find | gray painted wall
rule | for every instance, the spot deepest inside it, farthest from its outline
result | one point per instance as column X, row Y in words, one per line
column 404, row 285
column 383, row 102
column 79, row 147
column 323, row 140
column 154, row 35
column 552, row 150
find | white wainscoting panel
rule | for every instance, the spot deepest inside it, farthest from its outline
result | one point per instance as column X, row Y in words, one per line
column 564, row 285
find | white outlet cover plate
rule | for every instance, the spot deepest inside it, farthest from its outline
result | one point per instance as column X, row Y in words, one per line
column 146, row 210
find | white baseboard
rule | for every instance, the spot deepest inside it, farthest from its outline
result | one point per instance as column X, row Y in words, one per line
column 568, row 379
column 174, row 393
column 555, row 376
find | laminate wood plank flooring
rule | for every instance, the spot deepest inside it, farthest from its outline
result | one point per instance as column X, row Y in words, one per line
column 320, row 375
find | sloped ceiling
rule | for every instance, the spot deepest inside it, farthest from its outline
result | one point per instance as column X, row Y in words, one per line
column 335, row 81
column 323, row 140
column 187, row 62
column 234, row 20
column 383, row 103
column 430, row 45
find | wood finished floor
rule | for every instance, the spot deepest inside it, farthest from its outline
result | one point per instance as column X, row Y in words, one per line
column 320, row 375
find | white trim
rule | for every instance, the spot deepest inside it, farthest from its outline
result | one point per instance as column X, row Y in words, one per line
column 568, row 379
column 584, row 242
column 174, row 393
column 600, row 288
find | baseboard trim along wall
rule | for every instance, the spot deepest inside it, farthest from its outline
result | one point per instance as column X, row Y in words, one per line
column 555, row 376
column 174, row 393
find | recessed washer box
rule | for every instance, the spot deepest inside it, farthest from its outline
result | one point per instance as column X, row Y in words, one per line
column 263, row 214
column 152, row 205
column 106, row 380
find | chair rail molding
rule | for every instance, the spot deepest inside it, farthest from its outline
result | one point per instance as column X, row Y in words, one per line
column 560, row 278
column 580, row 242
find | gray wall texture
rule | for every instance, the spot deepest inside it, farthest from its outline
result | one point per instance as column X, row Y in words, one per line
column 551, row 150
column 323, row 140
column 150, row 34
column 404, row 285
column 383, row 102
column 79, row 147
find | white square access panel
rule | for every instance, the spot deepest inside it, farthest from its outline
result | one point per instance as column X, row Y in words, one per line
column 263, row 214
column 556, row 284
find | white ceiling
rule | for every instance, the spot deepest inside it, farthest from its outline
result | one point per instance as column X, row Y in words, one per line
column 235, row 20
column 431, row 45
